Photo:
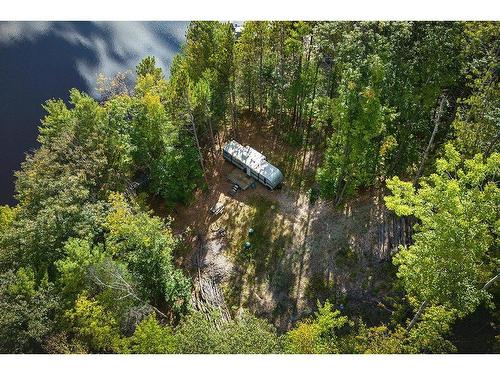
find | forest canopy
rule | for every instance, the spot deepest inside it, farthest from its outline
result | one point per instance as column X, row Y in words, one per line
column 89, row 259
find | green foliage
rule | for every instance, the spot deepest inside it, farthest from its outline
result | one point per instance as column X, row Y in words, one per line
column 73, row 268
column 359, row 117
column 428, row 336
column 59, row 187
column 330, row 332
column 146, row 244
column 476, row 124
column 208, row 65
column 151, row 130
column 379, row 340
column 147, row 66
column 152, row 338
column 197, row 334
column 93, row 326
column 248, row 334
column 173, row 176
column 387, row 78
column 27, row 311
column 244, row 335
column 319, row 335
column 7, row 215
column 84, row 269
column 458, row 212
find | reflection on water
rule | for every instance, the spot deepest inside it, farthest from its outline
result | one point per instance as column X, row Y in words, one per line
column 43, row 60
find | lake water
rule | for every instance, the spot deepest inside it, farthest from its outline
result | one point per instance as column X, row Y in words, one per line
column 44, row 60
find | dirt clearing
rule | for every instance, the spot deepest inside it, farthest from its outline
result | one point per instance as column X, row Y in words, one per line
column 299, row 252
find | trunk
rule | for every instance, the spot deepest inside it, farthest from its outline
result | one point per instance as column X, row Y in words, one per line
column 310, row 47
column 233, row 105
column 347, row 150
column 207, row 295
column 491, row 145
column 199, row 148
column 331, row 81
column 340, row 196
column 491, row 281
column 261, row 53
column 282, row 78
column 297, row 97
column 195, row 133
column 212, row 137
column 437, row 119
column 309, row 121
column 417, row 315
column 250, row 99
column 303, row 94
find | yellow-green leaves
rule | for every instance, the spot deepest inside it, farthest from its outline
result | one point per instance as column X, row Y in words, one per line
column 93, row 325
column 146, row 243
column 24, row 284
column 318, row 335
column 152, row 338
column 73, row 268
column 403, row 197
column 457, row 208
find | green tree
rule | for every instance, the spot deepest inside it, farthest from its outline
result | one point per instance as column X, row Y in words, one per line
column 93, row 326
column 424, row 59
column 161, row 146
column 428, row 336
column 319, row 335
column 27, row 311
column 147, row 66
column 452, row 256
column 196, row 334
column 359, row 122
column 379, row 340
column 146, row 244
column 150, row 337
column 245, row 334
column 381, row 84
column 248, row 334
column 73, row 268
column 61, row 186
column 477, row 123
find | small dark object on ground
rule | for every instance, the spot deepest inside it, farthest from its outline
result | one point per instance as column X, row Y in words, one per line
column 223, row 229
column 234, row 189
column 220, row 232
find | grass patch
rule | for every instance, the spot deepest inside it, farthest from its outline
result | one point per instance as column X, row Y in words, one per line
column 271, row 233
column 263, row 261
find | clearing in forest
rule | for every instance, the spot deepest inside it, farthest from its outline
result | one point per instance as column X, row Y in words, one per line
column 300, row 252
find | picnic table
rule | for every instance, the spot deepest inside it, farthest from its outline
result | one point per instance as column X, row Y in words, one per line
column 217, row 208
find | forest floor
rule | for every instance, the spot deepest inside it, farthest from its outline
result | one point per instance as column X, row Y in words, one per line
column 301, row 252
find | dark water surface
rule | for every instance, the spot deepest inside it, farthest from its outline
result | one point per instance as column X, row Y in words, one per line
column 44, row 60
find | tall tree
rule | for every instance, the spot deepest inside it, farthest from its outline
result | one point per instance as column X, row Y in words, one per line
column 451, row 258
column 477, row 124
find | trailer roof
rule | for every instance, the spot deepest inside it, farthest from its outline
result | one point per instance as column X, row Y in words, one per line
column 255, row 160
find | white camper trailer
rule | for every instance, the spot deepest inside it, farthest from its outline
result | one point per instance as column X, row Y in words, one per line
column 253, row 163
